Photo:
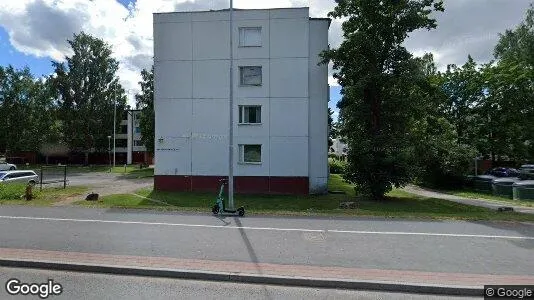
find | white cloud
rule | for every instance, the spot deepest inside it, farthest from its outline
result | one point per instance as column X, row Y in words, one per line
column 41, row 27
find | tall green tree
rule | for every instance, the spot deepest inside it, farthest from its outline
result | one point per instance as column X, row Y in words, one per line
column 442, row 157
column 28, row 110
column 511, row 88
column 381, row 88
column 15, row 95
column 88, row 88
column 464, row 90
column 145, row 102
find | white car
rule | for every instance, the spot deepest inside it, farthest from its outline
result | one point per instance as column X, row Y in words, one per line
column 4, row 166
column 23, row 177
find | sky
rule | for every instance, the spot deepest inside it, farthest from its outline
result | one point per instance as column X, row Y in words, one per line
column 35, row 32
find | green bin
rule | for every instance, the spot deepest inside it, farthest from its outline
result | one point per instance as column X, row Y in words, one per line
column 524, row 190
column 503, row 187
column 484, row 183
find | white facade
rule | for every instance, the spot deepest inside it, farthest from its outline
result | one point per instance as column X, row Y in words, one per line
column 192, row 67
column 338, row 147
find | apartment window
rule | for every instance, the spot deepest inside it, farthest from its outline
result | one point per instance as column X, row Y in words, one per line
column 123, row 129
column 138, row 143
column 249, row 114
column 137, row 129
column 250, row 75
column 250, row 154
column 250, row 37
column 121, row 143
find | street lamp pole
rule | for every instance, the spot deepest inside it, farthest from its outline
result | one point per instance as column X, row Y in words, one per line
column 109, row 152
column 114, row 127
column 231, row 133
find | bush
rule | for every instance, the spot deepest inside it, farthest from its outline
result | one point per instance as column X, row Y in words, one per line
column 337, row 166
column 11, row 191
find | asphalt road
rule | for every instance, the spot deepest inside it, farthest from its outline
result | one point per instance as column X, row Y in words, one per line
column 104, row 286
column 436, row 246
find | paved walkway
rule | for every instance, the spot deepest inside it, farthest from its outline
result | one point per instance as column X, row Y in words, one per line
column 469, row 201
column 264, row 269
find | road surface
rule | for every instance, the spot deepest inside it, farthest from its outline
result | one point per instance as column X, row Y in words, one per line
column 102, row 286
column 503, row 248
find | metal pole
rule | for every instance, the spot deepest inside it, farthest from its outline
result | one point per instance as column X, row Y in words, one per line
column 231, row 134
column 65, row 178
column 114, row 127
column 109, row 152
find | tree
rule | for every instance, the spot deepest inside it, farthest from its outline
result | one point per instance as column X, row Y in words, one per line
column 464, row 90
column 28, row 111
column 381, row 88
column 145, row 102
column 511, row 87
column 442, row 157
column 88, row 89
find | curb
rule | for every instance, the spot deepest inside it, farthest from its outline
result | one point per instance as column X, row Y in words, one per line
column 385, row 286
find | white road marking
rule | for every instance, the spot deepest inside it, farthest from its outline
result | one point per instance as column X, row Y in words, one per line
column 274, row 228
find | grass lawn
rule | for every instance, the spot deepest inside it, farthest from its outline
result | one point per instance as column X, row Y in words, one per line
column 46, row 197
column 466, row 193
column 397, row 204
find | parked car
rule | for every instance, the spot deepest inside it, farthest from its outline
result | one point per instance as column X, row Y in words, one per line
column 4, row 166
column 526, row 172
column 503, row 172
column 24, row 177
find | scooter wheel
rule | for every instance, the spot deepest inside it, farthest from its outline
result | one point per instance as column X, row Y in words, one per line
column 215, row 209
column 241, row 211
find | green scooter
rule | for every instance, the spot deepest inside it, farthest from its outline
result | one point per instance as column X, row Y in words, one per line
column 219, row 207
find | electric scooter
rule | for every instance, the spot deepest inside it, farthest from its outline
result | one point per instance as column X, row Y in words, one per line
column 219, row 207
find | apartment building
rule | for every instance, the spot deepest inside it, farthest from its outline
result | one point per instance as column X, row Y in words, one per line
column 280, row 97
column 129, row 147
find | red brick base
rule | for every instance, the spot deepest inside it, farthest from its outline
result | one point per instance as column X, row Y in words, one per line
column 242, row 184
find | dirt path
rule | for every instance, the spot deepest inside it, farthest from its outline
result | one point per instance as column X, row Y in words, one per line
column 104, row 184
column 468, row 201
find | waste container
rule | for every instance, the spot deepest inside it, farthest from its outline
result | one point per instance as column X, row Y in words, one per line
column 484, row 183
column 524, row 190
column 503, row 186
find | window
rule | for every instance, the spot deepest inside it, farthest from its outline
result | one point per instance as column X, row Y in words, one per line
column 250, row 75
column 249, row 114
column 121, row 143
column 250, row 154
column 123, row 129
column 138, row 143
column 250, row 37
column 137, row 129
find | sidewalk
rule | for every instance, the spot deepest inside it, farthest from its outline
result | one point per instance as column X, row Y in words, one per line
column 468, row 201
column 303, row 275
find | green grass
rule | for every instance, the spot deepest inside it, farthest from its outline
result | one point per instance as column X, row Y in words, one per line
column 398, row 204
column 11, row 194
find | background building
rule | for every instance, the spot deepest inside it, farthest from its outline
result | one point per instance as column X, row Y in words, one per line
column 280, row 100
column 129, row 147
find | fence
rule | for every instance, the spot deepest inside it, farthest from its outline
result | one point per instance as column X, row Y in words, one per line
column 53, row 175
